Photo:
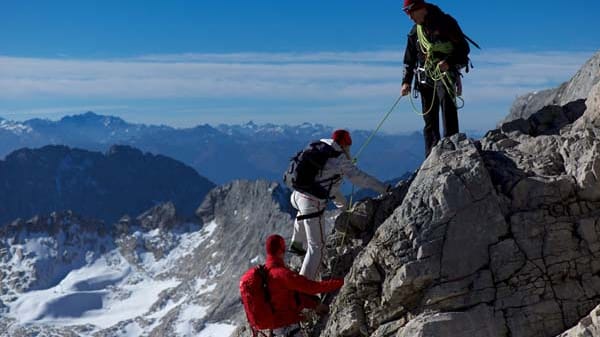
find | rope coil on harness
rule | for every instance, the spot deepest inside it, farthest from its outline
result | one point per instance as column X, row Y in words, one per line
column 432, row 70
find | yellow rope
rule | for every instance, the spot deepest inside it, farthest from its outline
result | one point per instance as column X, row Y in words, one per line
column 433, row 71
column 354, row 160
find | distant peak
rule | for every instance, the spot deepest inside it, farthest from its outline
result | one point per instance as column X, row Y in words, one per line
column 14, row 127
column 92, row 117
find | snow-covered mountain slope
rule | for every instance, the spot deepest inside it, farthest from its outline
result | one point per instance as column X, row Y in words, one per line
column 62, row 275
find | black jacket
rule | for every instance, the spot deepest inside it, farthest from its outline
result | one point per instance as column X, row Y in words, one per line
column 439, row 27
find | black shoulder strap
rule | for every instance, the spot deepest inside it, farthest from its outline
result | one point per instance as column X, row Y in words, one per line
column 264, row 275
column 331, row 151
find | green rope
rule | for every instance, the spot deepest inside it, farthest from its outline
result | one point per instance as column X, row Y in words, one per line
column 355, row 159
column 428, row 47
column 432, row 69
column 438, row 75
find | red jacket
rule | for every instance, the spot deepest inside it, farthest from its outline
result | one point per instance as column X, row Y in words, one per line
column 283, row 286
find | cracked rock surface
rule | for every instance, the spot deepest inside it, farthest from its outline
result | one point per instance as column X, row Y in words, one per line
column 497, row 237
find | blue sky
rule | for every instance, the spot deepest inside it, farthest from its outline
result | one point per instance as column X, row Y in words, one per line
column 184, row 63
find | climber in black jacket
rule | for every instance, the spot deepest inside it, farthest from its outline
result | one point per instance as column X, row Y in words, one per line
column 435, row 52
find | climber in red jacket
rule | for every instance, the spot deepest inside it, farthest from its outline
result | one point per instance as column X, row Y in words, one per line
column 292, row 292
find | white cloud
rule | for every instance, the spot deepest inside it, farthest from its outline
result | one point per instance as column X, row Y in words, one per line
column 309, row 79
column 323, row 76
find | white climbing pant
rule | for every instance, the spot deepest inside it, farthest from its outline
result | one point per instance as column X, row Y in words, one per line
column 309, row 232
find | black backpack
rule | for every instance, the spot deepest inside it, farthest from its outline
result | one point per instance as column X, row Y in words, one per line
column 306, row 165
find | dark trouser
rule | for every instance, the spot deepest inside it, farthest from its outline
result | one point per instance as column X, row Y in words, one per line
column 431, row 131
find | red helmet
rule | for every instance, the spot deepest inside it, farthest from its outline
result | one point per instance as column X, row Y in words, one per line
column 275, row 244
column 342, row 137
column 411, row 5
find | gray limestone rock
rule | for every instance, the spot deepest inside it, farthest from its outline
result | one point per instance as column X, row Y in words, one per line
column 478, row 322
column 578, row 87
column 498, row 237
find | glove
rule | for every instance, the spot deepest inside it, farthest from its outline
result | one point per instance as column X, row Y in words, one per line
column 322, row 309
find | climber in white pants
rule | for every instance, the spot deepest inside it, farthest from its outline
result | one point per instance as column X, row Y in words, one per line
column 309, row 236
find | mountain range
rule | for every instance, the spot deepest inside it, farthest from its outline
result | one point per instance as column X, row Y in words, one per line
column 220, row 153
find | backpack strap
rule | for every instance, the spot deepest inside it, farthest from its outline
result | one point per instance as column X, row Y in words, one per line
column 264, row 275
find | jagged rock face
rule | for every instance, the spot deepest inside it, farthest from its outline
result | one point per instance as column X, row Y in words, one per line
column 591, row 119
column 494, row 238
column 577, row 88
column 104, row 186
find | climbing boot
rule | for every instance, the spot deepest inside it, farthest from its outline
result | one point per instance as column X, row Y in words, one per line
column 296, row 248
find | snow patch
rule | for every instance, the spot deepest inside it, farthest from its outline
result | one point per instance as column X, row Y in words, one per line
column 187, row 316
column 14, row 127
column 101, row 294
column 187, row 243
column 95, row 285
column 215, row 270
column 166, row 308
column 133, row 329
column 201, row 286
column 210, row 228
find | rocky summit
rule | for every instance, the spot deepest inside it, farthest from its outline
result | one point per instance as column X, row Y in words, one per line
column 498, row 237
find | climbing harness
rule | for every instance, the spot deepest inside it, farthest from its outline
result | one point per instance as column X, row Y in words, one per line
column 431, row 69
